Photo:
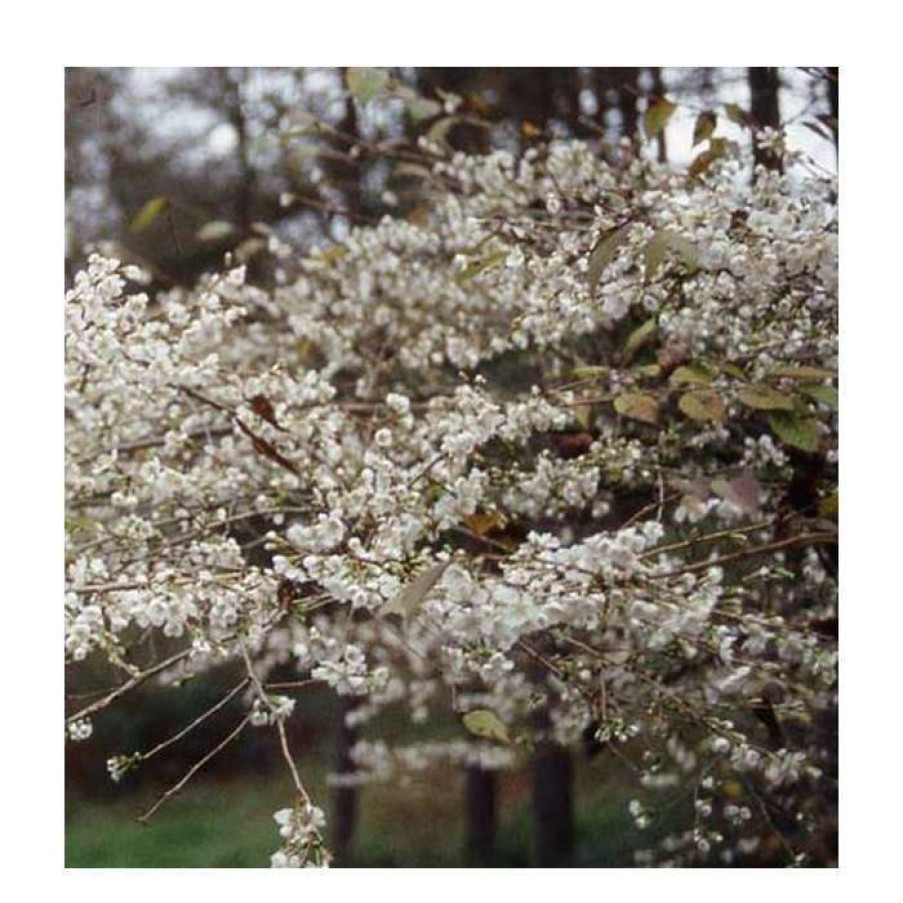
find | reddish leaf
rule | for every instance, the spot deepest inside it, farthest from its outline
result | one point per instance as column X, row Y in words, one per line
column 263, row 408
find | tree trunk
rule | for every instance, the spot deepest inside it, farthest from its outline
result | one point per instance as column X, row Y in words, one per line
column 658, row 91
column 246, row 190
column 481, row 808
column 344, row 799
column 764, row 85
column 553, row 811
column 628, row 91
column 834, row 101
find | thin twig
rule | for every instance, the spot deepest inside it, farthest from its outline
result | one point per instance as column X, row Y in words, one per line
column 652, row 506
column 294, row 684
column 128, row 685
column 199, row 720
column 811, row 538
column 287, row 755
column 194, row 770
column 707, row 537
column 280, row 727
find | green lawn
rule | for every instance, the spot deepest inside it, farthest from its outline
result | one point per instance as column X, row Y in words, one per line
column 229, row 824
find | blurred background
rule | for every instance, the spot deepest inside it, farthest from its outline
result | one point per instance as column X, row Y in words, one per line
column 223, row 818
column 171, row 169
column 223, row 149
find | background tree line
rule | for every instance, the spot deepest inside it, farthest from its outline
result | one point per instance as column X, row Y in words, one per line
column 225, row 149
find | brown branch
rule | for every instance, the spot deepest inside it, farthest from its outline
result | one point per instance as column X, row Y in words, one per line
column 708, row 537
column 144, row 818
column 280, row 727
column 811, row 538
column 199, row 720
column 128, row 685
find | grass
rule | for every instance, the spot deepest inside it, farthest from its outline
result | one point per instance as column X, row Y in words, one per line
column 228, row 824
column 217, row 825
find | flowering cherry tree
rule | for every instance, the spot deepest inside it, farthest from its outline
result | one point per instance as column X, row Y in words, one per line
column 562, row 442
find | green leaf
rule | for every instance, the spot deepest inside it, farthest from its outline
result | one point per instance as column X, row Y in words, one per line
column 791, row 429
column 480, row 266
column 590, row 372
column 422, row 108
column 829, row 506
column 364, row 83
column 824, row 394
column 249, row 248
column 736, row 114
column 764, row 398
column 733, row 370
column 332, row 253
column 215, row 230
column 604, row 253
column 685, row 249
column 802, row 372
column 81, row 522
column 661, row 243
column 692, row 373
column 438, row 131
column 701, row 163
column 637, row 406
column 702, row 405
column 638, row 338
column 705, row 125
column 654, row 254
column 656, row 117
column 486, row 725
column 148, row 213
column 583, row 414
column 718, row 148
column 412, row 596
column 419, row 107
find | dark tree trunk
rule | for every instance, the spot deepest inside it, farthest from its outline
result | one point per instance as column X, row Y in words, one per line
column 481, row 808
column 553, row 814
column 566, row 92
column 764, row 85
column 834, row 101
column 344, row 799
column 628, row 90
column 247, row 180
column 553, row 810
column 348, row 173
column 658, row 90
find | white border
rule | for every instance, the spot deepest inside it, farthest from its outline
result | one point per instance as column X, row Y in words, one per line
column 41, row 40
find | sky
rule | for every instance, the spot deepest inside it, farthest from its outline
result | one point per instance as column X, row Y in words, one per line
column 172, row 120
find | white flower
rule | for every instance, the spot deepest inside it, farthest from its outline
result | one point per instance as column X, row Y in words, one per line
column 282, row 707
column 458, row 583
column 117, row 766
column 771, row 139
column 721, row 745
column 271, row 711
column 400, row 404
column 80, row 730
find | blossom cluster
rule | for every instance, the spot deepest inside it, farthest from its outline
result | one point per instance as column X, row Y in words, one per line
column 531, row 452
column 302, row 846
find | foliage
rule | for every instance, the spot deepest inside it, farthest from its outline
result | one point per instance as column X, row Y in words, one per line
column 562, row 441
